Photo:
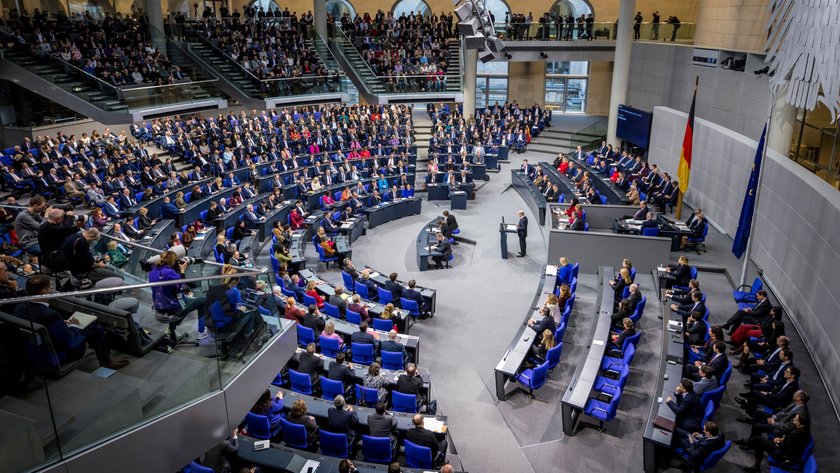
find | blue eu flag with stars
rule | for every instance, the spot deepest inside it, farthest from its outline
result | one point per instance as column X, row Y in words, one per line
column 739, row 244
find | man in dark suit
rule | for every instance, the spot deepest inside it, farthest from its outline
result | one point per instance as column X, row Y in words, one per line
column 769, row 362
column 650, row 221
column 168, row 209
column 773, row 371
column 414, row 295
column 755, row 315
column 383, row 425
column 781, row 422
column 411, row 383
column 362, row 336
column 313, row 320
column 696, row 305
column 718, row 362
column 395, row 287
column 642, row 213
column 522, row 232
column 546, row 323
column 781, row 395
column 393, row 345
column 696, row 329
column 635, row 296
column 423, row 437
column 342, row 419
column 444, row 249
column 338, row 371
column 310, row 363
column 67, row 336
column 686, row 407
column 339, row 301
column 698, row 447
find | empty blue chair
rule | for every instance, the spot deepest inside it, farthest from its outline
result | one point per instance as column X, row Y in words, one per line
column 708, row 412
column 713, row 395
column 585, row 226
column 603, row 411
column 411, row 306
column 229, row 233
column 331, row 388
column 603, row 199
column 609, row 363
column 377, row 449
column 203, row 215
column 194, row 467
column 329, row 346
column 278, row 380
column 810, row 467
column 305, row 336
column 301, row 382
column 724, row 378
column 417, row 456
column 334, row 445
column 404, row 402
column 610, row 386
column 348, row 282
column 331, row 310
column 275, row 264
column 287, row 292
column 362, row 291
column 533, row 378
column 385, row 295
column 626, row 292
column 715, row 457
column 575, row 270
column 362, row 353
column 258, row 426
column 382, row 324
column 633, row 274
column 309, row 300
column 294, row 435
column 650, row 231
column 392, row 360
column 353, row 317
column 366, row 396
column 748, row 296
column 560, row 332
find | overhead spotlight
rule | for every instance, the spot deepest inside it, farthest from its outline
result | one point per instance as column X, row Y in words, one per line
column 543, row 54
column 764, row 70
column 508, row 56
column 464, row 11
column 495, row 44
column 486, row 56
column 469, row 27
column 475, row 41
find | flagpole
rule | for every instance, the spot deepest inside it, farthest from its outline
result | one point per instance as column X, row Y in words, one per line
column 748, row 250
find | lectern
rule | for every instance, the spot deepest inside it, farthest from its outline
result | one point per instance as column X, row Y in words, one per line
column 504, row 229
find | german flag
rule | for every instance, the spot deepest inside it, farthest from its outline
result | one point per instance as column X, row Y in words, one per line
column 684, row 170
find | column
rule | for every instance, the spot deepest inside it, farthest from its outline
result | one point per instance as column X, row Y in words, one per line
column 780, row 133
column 621, row 65
column 470, row 71
column 319, row 11
column 155, row 13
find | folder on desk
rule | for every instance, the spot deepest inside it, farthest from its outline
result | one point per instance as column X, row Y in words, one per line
column 663, row 423
column 510, row 227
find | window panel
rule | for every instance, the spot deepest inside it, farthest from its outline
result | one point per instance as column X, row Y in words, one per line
column 576, row 95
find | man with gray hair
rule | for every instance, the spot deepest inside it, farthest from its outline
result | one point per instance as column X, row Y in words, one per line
column 342, row 419
column 80, row 261
column 51, row 236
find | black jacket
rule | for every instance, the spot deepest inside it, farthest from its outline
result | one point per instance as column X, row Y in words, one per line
column 340, row 372
column 688, row 410
column 311, row 365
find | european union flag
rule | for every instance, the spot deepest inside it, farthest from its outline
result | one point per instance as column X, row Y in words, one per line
column 739, row 244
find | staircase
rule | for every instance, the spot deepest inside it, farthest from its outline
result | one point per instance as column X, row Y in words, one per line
column 373, row 88
column 248, row 89
column 553, row 140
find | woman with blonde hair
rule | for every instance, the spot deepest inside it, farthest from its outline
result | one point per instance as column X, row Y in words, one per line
column 329, row 332
column 618, row 285
column 546, row 343
column 564, row 271
column 554, row 307
column 312, row 292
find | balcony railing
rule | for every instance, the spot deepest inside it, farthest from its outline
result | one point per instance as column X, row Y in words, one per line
column 56, row 410
column 535, row 31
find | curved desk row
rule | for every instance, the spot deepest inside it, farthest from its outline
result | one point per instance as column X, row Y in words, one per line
column 566, row 186
column 490, row 161
column 426, row 240
column 154, row 205
column 429, row 294
column 657, row 441
column 392, row 210
column 359, row 371
column 313, row 199
column 520, row 347
column 375, row 309
column 441, row 191
column 604, row 185
column 588, row 368
column 529, row 193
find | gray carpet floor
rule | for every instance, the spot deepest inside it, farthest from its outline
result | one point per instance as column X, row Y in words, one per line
column 481, row 302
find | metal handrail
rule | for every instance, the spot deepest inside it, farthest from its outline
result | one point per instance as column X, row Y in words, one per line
column 227, row 58
column 357, row 51
column 106, row 290
column 149, row 248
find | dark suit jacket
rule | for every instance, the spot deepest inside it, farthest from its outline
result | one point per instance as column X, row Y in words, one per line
column 314, row 322
column 382, row 425
column 337, row 301
column 697, row 333
column 311, row 365
column 413, row 295
column 685, row 309
column 522, row 226
column 547, row 323
column 681, row 274
column 394, row 346
column 699, row 450
column 688, row 411
column 69, row 342
column 423, row 437
column 782, row 395
column 364, row 337
column 719, row 364
column 342, row 421
column 641, row 214
column 395, row 288
column 340, row 372
column 409, row 384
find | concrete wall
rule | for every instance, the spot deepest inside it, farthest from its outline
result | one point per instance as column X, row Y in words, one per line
column 797, row 230
column 593, row 249
column 732, row 24
column 663, row 75
column 526, row 82
column 598, row 94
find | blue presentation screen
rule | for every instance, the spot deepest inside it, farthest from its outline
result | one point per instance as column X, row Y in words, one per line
column 634, row 126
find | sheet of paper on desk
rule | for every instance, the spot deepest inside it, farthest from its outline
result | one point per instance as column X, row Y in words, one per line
column 661, row 269
column 433, row 424
column 551, row 270
column 632, row 221
column 374, row 274
column 311, row 466
column 510, row 227
column 597, row 342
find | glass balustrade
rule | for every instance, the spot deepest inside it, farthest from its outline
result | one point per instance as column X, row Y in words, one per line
column 55, row 398
column 535, row 31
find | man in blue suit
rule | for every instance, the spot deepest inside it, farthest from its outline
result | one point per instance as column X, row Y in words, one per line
column 67, row 336
column 394, row 346
column 698, row 446
column 414, row 295
column 168, row 209
column 686, row 407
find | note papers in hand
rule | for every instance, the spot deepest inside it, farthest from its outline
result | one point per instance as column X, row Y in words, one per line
column 434, row 425
column 84, row 319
